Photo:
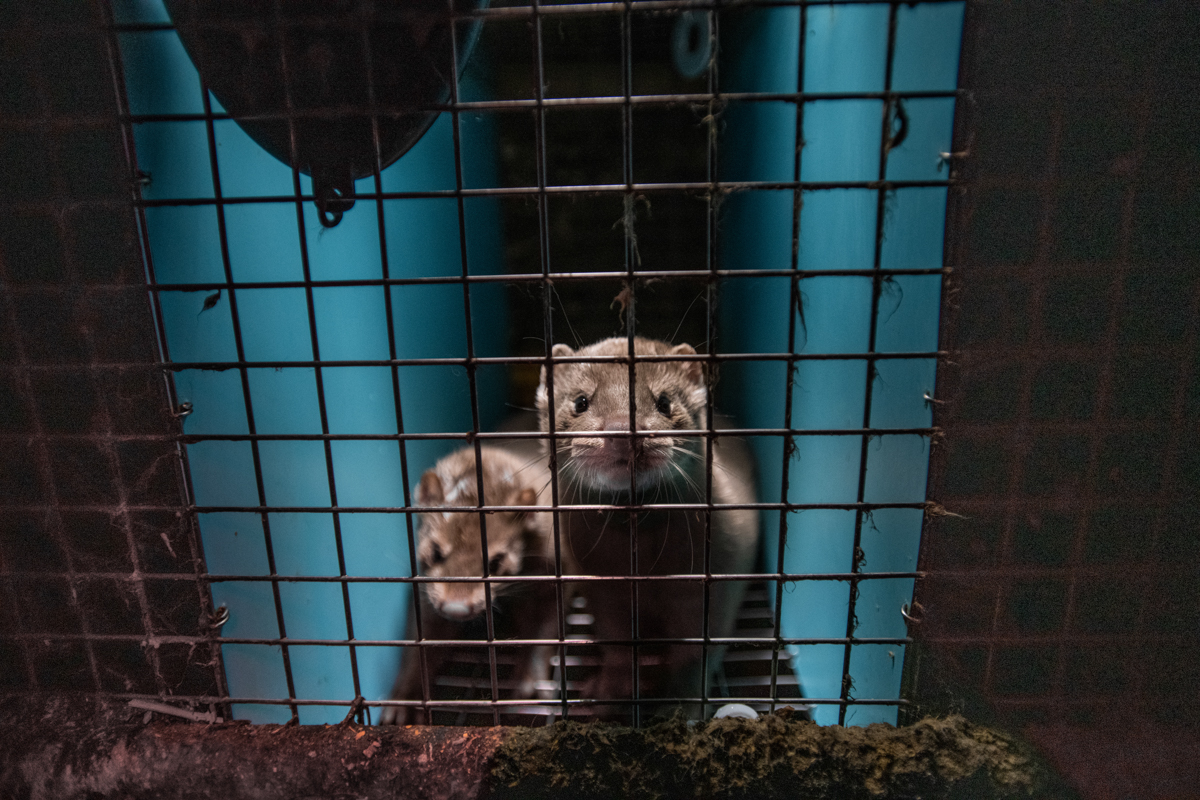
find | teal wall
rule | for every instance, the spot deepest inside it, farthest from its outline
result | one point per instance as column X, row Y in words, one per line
column 264, row 245
column 845, row 51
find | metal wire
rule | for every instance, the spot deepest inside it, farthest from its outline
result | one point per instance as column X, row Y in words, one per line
column 58, row 633
column 712, row 170
column 712, row 190
column 1046, row 628
column 676, row 187
column 385, row 267
column 795, row 309
column 543, row 237
column 455, row 119
column 246, row 398
column 890, row 106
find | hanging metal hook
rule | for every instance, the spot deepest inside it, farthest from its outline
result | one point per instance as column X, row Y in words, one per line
column 947, row 158
column 333, row 198
column 219, row 618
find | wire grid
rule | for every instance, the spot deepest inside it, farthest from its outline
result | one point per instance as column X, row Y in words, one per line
column 541, row 193
column 1066, row 592
column 99, row 565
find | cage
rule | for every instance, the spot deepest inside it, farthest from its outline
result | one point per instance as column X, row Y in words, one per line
column 220, row 395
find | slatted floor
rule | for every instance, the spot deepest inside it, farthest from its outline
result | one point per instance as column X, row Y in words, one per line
column 746, row 671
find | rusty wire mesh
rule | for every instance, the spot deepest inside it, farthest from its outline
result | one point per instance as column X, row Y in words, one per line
column 1069, row 414
column 120, row 602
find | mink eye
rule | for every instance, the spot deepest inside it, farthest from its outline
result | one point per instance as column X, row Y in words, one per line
column 663, row 404
column 581, row 404
column 495, row 564
column 436, row 556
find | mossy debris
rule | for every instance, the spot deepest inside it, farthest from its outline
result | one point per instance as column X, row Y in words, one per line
column 768, row 757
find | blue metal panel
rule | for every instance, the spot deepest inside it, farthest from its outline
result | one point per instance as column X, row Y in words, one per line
column 845, row 51
column 264, row 245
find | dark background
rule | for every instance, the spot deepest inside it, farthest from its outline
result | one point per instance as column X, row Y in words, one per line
column 582, row 57
column 1065, row 600
column 97, row 557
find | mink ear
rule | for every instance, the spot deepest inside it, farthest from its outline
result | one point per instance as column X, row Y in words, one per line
column 558, row 351
column 429, row 490
column 694, row 370
column 525, row 497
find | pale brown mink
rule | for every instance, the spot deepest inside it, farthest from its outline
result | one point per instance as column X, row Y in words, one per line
column 449, row 545
column 660, row 468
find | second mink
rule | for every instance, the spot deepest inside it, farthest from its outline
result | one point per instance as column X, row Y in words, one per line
column 519, row 543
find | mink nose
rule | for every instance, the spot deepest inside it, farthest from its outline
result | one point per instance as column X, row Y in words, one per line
column 620, row 445
column 456, row 610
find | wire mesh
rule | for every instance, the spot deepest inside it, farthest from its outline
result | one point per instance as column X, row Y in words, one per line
column 1061, row 605
column 552, row 288
column 94, row 515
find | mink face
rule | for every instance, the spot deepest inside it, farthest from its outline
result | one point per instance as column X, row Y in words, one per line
column 667, row 396
column 450, row 541
column 520, row 543
column 657, row 464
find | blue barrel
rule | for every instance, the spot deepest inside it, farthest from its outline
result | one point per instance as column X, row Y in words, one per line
column 845, row 51
column 267, row 243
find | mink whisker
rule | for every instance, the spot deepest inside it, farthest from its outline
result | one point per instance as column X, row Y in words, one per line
column 700, row 457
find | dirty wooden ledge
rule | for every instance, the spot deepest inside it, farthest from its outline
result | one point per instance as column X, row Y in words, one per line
column 66, row 747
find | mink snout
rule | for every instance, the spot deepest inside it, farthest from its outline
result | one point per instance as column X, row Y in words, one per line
column 620, row 447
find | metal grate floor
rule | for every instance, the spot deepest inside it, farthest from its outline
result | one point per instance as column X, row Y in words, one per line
column 745, row 672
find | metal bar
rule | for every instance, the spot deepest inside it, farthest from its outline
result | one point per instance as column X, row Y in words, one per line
column 587, row 701
column 631, row 258
column 643, row 275
column 711, row 253
column 318, row 374
column 795, row 309
column 597, row 189
column 748, row 576
column 580, row 702
column 857, row 556
column 389, row 316
column 539, row 91
column 656, row 5
column 246, row 398
column 517, row 104
column 368, row 437
column 580, row 507
column 471, row 365
column 203, row 589
column 481, row 644
column 573, row 9
column 241, row 363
